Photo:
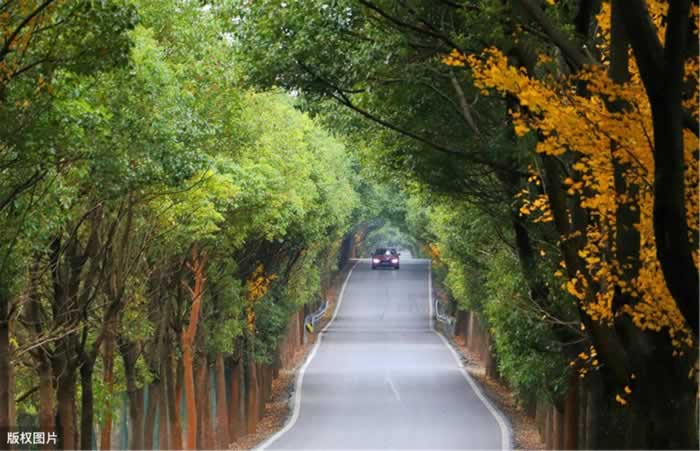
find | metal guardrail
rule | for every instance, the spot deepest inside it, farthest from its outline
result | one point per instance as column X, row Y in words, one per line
column 447, row 321
column 313, row 318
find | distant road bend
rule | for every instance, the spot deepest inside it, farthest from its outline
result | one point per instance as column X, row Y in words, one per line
column 381, row 378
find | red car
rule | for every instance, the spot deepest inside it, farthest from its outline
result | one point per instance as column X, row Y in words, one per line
column 385, row 257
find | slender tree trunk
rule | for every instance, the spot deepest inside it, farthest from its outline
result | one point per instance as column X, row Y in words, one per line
column 222, row 437
column 206, row 408
column 87, row 413
column 151, row 411
column 46, row 405
column 163, row 422
column 236, row 425
column 261, row 391
column 175, row 422
column 200, row 396
column 188, row 335
column 65, row 395
column 251, row 393
column 571, row 413
column 108, row 377
column 130, row 355
column 136, row 418
column 191, row 441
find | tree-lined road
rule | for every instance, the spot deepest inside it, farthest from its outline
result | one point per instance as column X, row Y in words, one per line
column 383, row 379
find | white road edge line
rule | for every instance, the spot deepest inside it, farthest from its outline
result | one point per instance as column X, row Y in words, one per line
column 502, row 423
column 300, row 377
column 393, row 387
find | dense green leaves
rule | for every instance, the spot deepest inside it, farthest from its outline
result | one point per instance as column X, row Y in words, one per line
column 122, row 161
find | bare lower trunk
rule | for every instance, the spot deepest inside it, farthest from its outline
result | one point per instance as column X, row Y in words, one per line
column 200, row 394
column 236, row 425
column 87, row 413
column 150, row 420
column 66, row 423
column 261, row 391
column 130, row 354
column 136, row 418
column 188, row 378
column 46, row 405
column 163, row 414
column 108, row 377
column 251, row 393
column 571, row 414
column 174, row 421
column 222, row 439
column 205, row 410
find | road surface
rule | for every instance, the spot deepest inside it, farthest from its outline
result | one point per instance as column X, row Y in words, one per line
column 381, row 378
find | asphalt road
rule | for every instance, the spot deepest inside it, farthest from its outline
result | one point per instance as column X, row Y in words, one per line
column 381, row 378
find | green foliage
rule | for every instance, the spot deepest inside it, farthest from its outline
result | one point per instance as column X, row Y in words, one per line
column 483, row 274
column 147, row 147
column 529, row 356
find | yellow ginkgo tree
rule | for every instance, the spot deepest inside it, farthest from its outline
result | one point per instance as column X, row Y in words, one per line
column 616, row 171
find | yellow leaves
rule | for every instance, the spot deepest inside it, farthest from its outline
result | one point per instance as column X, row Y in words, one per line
column 521, row 130
column 539, row 208
column 581, row 131
column 622, row 401
column 434, row 252
column 257, row 286
column 454, row 59
column 572, row 289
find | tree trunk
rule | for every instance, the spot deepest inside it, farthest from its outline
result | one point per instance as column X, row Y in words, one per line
column 251, row 393
column 135, row 395
column 46, row 405
column 261, row 391
column 208, row 438
column 66, row 421
column 200, row 397
column 163, row 413
column 130, row 354
column 188, row 335
column 188, row 376
column 151, row 411
column 222, row 436
column 662, row 72
column 236, row 425
column 108, row 378
column 571, row 410
column 174, row 420
column 87, row 414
